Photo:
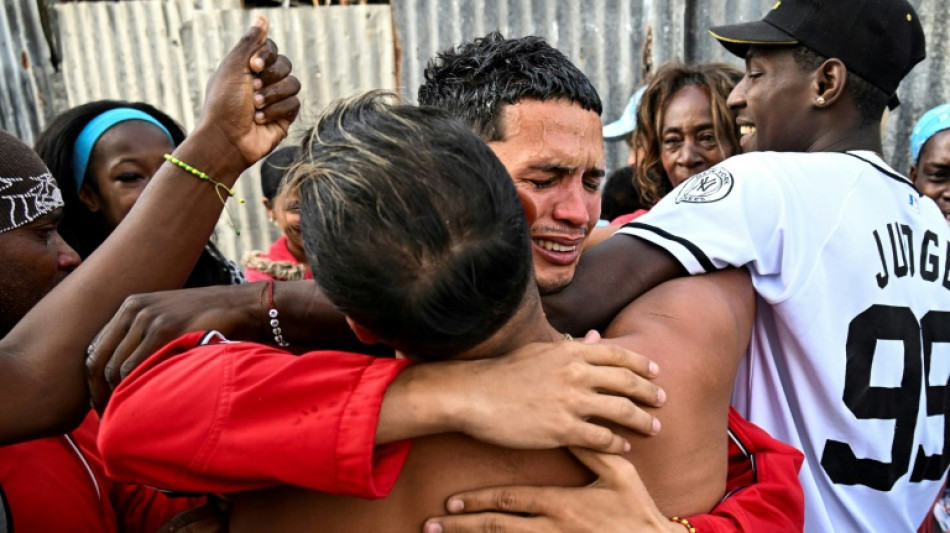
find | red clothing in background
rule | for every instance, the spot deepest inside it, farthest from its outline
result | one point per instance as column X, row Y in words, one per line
column 629, row 217
column 58, row 484
column 277, row 264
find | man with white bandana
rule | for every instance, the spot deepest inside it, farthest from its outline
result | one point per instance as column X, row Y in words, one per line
column 33, row 257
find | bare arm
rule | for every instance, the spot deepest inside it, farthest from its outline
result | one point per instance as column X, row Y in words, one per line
column 41, row 359
column 608, row 277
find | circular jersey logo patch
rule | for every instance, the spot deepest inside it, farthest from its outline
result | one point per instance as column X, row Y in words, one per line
column 709, row 186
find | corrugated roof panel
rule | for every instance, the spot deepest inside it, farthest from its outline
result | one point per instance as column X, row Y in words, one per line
column 27, row 83
column 164, row 52
column 336, row 51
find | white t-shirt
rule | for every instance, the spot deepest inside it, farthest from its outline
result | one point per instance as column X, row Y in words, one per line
column 850, row 354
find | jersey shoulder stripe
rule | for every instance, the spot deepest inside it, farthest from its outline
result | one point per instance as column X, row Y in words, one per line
column 700, row 256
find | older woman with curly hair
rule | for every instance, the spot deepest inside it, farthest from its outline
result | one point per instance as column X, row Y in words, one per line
column 684, row 126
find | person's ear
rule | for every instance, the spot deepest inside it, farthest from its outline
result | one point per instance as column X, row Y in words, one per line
column 364, row 335
column 269, row 208
column 89, row 198
column 831, row 78
column 913, row 174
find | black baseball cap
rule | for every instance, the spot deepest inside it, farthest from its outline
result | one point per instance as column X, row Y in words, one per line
column 879, row 40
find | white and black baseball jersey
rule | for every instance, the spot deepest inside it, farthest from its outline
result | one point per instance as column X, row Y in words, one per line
column 850, row 354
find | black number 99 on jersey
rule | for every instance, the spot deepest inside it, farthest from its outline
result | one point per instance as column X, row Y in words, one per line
column 902, row 404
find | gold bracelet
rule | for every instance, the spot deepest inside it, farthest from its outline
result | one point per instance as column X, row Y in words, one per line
column 685, row 523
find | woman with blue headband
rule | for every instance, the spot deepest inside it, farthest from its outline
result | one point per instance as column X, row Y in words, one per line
column 930, row 152
column 102, row 155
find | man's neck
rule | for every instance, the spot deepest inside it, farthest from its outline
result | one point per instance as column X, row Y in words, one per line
column 868, row 138
column 527, row 325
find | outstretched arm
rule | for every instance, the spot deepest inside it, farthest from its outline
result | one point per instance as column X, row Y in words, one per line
column 41, row 359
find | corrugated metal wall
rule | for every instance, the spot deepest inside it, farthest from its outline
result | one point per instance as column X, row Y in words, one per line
column 161, row 51
column 29, row 87
column 609, row 40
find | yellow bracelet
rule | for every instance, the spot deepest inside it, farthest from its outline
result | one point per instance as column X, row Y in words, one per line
column 689, row 527
column 218, row 186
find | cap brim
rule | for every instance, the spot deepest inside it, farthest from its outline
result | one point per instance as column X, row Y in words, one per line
column 737, row 38
column 893, row 102
column 617, row 130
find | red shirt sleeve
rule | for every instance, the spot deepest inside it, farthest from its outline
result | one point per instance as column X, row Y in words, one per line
column 137, row 509
column 230, row 417
column 629, row 217
column 763, row 489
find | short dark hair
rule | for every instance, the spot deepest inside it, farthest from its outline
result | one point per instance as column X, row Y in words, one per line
column 411, row 225
column 274, row 167
column 620, row 195
column 81, row 228
column 868, row 99
column 474, row 81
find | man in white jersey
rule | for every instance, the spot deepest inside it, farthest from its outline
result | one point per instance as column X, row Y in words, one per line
column 851, row 269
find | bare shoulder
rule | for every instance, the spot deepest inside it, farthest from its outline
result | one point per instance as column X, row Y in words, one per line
column 697, row 330
column 700, row 308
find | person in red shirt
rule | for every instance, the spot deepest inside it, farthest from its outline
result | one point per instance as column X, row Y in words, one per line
column 285, row 260
column 51, row 476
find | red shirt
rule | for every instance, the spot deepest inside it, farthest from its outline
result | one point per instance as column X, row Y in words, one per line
column 629, row 217
column 58, row 484
column 763, row 492
column 279, row 258
column 231, row 417
column 310, row 421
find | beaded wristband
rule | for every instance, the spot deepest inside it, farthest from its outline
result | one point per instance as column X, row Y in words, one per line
column 218, row 186
column 272, row 316
column 684, row 522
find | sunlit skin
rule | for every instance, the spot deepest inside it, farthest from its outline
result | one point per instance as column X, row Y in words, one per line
column 33, row 260
column 124, row 159
column 931, row 174
column 768, row 102
column 688, row 142
column 555, row 155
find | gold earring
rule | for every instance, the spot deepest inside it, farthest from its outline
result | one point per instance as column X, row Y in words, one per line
column 820, row 100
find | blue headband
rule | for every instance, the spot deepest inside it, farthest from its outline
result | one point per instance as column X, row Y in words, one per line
column 95, row 128
column 932, row 123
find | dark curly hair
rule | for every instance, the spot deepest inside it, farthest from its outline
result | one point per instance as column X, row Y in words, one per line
column 474, row 81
